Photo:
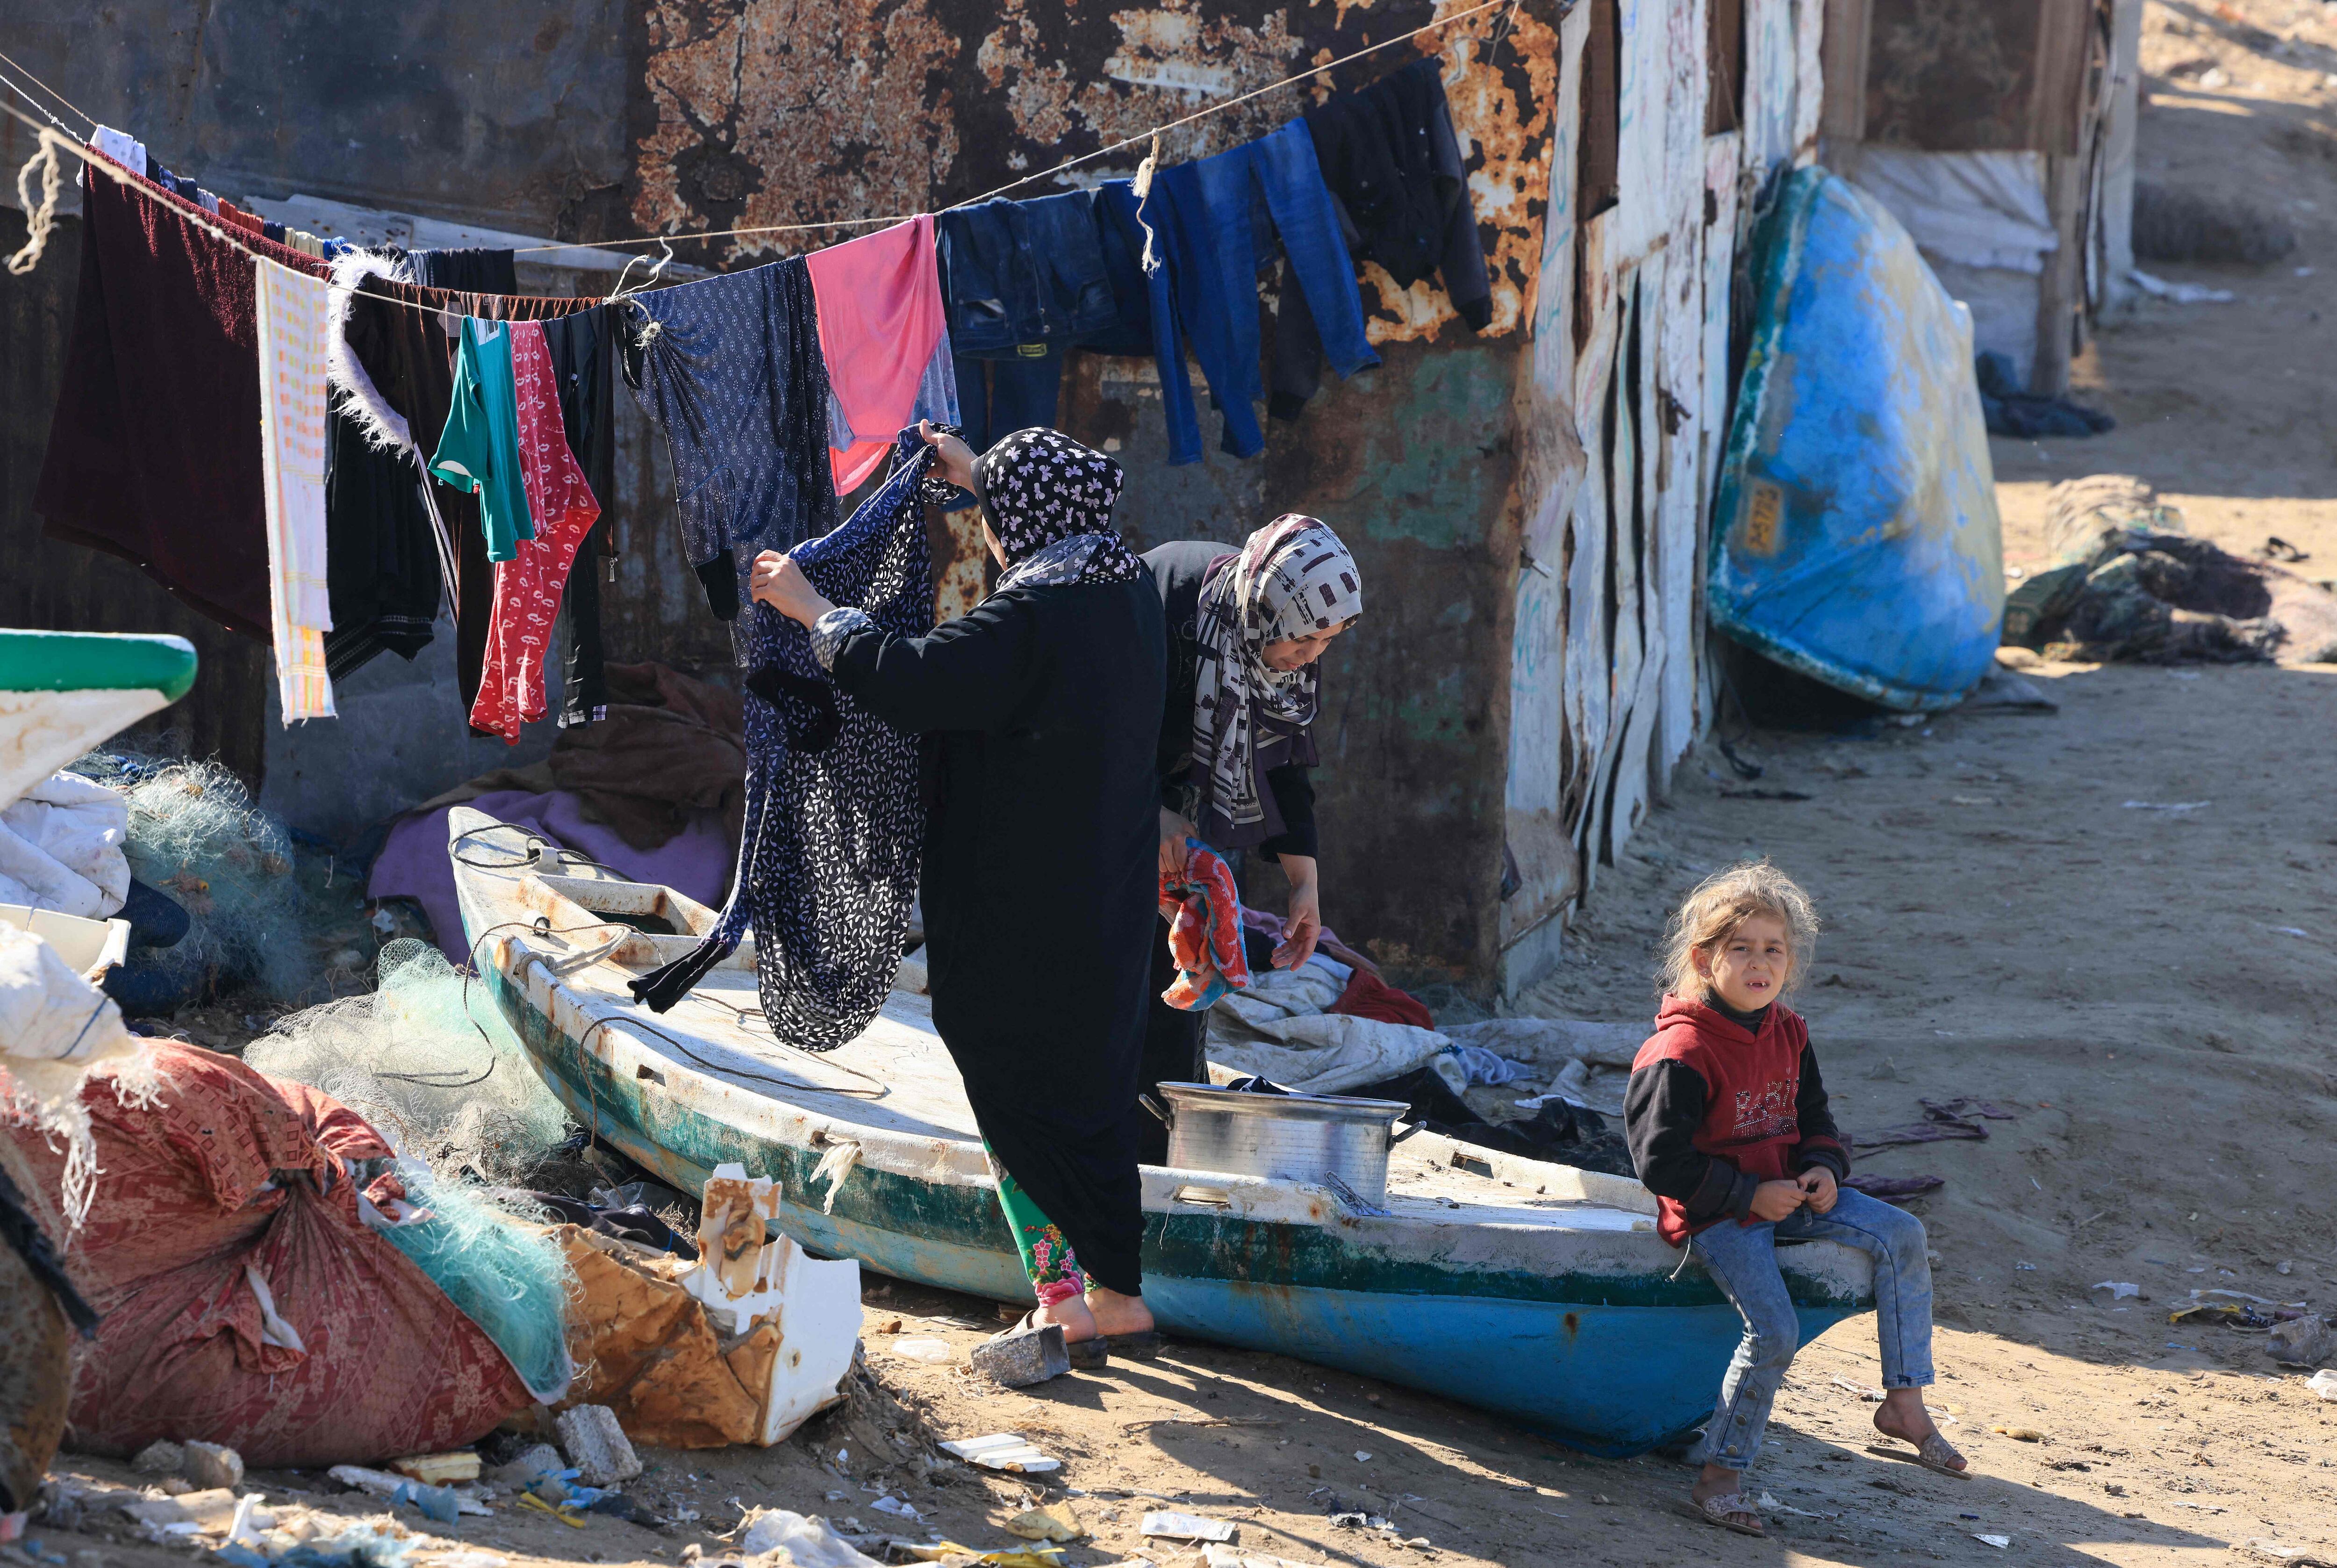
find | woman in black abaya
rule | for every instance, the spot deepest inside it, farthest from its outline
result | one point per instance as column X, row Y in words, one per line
column 1041, row 871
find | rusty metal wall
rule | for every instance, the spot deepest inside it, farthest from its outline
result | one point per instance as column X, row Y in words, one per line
column 52, row 587
column 800, row 112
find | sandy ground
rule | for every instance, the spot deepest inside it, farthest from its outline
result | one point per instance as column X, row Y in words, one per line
column 2010, row 914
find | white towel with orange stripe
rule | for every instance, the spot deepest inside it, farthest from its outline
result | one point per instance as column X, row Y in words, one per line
column 295, row 325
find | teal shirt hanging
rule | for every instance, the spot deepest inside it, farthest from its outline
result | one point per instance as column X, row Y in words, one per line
column 479, row 450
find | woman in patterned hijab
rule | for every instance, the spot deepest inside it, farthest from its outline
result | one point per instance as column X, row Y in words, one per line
column 1041, row 709
column 1245, row 631
column 1047, row 501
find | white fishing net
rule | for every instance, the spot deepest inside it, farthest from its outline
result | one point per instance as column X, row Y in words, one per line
column 430, row 1062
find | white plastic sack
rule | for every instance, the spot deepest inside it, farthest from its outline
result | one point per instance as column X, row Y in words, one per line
column 1974, row 208
column 60, row 848
column 48, row 1013
column 806, row 1543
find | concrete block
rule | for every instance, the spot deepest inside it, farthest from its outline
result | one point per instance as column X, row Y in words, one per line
column 1018, row 1360
column 214, row 1465
column 597, row 1446
column 160, row 1457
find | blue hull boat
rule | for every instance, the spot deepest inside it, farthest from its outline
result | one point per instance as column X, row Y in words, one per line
column 1855, row 536
column 1535, row 1291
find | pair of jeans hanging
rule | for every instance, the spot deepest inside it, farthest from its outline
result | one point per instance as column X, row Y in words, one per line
column 1213, row 224
column 834, row 822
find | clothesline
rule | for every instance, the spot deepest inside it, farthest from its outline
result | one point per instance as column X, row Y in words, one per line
column 44, row 87
column 1121, row 145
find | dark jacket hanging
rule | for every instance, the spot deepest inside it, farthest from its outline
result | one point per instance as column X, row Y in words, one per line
column 1391, row 160
column 154, row 448
column 1044, row 709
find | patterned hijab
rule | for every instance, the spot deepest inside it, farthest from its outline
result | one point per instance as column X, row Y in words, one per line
column 1293, row 579
column 1050, row 501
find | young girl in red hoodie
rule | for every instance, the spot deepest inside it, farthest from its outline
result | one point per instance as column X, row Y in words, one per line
column 1729, row 1128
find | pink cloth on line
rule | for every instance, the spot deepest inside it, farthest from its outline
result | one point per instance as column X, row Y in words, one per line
column 529, row 585
column 885, row 338
column 414, row 863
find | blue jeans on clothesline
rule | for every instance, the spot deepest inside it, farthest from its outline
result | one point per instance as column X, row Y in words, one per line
column 1215, row 223
column 1742, row 1261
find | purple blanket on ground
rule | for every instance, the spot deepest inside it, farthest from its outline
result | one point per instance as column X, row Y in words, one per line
column 414, row 864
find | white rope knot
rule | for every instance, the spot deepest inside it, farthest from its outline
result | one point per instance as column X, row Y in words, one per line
column 41, row 216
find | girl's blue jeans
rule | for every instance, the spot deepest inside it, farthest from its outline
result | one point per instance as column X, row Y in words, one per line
column 1742, row 1261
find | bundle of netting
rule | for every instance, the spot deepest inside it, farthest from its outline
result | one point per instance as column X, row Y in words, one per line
column 195, row 834
column 495, row 1260
column 430, row 1062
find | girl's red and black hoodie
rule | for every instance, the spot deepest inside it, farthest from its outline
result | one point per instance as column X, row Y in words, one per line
column 1721, row 1102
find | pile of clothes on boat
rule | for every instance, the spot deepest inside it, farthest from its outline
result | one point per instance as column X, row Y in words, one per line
column 1336, row 1025
column 2129, row 583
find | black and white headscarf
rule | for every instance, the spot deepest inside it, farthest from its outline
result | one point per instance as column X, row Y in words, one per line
column 1049, row 499
column 1293, row 579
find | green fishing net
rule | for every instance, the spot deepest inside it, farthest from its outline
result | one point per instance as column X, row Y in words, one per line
column 195, row 834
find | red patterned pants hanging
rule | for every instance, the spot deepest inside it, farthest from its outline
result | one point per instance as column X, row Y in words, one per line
column 528, row 587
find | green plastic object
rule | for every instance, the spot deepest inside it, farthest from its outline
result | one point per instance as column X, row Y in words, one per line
column 96, row 661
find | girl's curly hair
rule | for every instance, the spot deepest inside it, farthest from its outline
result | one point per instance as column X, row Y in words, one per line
column 1725, row 900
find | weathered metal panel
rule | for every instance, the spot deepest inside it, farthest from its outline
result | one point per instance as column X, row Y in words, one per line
column 1722, row 159
column 1639, row 686
column 53, row 587
column 1680, row 389
column 1550, row 470
column 761, row 113
column 1772, row 74
column 1809, row 77
column 1587, row 649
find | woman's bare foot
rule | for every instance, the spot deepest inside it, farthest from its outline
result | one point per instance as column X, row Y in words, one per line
column 1901, row 1415
column 1078, row 1322
column 1112, row 1313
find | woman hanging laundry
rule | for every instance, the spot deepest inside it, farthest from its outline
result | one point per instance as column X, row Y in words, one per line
column 1039, row 882
column 1245, row 630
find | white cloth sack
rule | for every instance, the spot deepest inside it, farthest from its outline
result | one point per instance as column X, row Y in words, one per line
column 61, row 849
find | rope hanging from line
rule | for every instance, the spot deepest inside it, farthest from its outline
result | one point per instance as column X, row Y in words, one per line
column 41, row 215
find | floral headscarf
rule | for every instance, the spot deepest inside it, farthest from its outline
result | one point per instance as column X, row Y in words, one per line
column 1050, row 500
column 1293, row 579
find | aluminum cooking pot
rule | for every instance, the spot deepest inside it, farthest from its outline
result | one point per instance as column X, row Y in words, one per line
column 1330, row 1139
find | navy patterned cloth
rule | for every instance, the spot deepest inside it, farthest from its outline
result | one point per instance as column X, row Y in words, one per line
column 730, row 367
column 835, row 825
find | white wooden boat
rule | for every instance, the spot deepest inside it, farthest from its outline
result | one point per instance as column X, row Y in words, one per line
column 1535, row 1291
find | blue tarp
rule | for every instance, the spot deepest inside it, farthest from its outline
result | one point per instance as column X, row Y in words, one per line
column 1855, row 536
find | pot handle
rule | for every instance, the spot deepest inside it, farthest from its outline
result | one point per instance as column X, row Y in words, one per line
column 1168, row 1117
column 1404, row 1130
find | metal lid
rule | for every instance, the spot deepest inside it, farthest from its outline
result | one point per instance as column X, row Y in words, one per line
column 1293, row 1106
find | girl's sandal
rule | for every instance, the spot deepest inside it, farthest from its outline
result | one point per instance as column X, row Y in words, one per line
column 1724, row 1510
column 1087, row 1355
column 1934, row 1453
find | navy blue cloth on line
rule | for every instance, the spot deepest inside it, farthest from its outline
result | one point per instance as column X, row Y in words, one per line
column 730, row 368
column 834, row 822
column 1213, row 224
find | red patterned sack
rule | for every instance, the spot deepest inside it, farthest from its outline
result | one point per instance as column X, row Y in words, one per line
column 223, row 1200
